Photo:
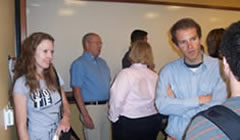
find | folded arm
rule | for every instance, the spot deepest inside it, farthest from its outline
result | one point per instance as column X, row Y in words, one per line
column 218, row 96
column 172, row 105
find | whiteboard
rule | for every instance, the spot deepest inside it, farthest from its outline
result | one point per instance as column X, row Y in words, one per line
column 68, row 20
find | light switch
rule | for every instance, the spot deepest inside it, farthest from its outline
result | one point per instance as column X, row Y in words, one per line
column 8, row 117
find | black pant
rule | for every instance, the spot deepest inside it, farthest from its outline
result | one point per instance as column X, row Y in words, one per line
column 146, row 128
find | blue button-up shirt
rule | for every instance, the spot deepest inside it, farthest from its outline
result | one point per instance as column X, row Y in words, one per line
column 187, row 86
column 92, row 76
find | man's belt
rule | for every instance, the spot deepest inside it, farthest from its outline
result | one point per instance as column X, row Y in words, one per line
column 95, row 102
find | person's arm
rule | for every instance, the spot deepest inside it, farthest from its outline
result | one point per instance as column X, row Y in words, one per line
column 20, row 111
column 64, row 124
column 66, row 110
column 219, row 89
column 202, row 99
column 125, row 61
column 170, row 105
column 77, row 79
column 87, row 120
column 218, row 96
column 118, row 94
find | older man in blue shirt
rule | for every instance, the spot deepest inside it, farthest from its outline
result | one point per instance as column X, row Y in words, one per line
column 189, row 84
column 90, row 80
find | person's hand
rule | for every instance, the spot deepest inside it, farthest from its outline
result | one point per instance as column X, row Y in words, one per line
column 87, row 122
column 170, row 92
column 204, row 99
column 63, row 126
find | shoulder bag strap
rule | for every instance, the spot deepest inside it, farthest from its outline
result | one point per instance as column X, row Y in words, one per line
column 58, row 82
column 227, row 120
column 59, row 90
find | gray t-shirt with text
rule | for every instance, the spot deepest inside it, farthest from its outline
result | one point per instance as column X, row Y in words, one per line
column 43, row 108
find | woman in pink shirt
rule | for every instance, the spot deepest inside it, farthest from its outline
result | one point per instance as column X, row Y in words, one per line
column 132, row 95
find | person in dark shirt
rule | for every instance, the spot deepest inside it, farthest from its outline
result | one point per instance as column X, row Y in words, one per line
column 135, row 36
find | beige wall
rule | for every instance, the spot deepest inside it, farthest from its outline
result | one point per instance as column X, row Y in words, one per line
column 69, row 20
column 75, row 122
column 6, row 47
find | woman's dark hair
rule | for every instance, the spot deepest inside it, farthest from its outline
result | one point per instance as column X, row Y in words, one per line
column 213, row 40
